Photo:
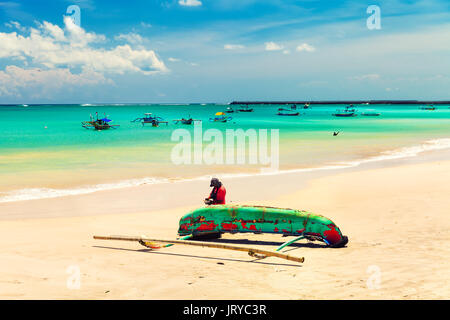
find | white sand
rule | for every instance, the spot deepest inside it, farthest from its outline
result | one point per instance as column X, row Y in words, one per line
column 396, row 219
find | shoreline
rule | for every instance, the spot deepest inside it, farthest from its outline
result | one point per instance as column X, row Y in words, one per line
column 30, row 194
column 159, row 196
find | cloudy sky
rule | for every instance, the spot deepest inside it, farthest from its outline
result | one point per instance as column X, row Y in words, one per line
column 222, row 50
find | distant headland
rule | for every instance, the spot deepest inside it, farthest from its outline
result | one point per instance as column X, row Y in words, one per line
column 346, row 102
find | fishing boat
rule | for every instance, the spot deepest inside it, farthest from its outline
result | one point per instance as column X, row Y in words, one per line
column 349, row 111
column 245, row 109
column 344, row 114
column 371, row 113
column 306, row 106
column 99, row 124
column 220, row 117
column 186, row 121
column 150, row 118
column 229, row 110
column 287, row 112
column 211, row 222
column 431, row 108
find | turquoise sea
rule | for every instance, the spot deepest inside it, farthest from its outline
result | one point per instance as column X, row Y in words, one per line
column 44, row 150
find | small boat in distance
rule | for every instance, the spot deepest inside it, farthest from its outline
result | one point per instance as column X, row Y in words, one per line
column 149, row 118
column 344, row 114
column 186, row 121
column 220, row 117
column 349, row 111
column 428, row 108
column 371, row 113
column 245, row 109
column 229, row 110
column 99, row 124
column 287, row 112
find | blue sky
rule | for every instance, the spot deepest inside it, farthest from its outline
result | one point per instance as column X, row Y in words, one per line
column 222, row 50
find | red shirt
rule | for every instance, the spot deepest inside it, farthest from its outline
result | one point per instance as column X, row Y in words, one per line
column 220, row 195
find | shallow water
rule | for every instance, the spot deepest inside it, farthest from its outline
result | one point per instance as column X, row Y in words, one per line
column 44, row 147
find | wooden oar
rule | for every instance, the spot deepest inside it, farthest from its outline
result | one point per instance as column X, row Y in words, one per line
column 250, row 251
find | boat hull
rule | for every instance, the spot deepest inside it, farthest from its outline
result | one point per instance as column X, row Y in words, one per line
column 288, row 114
column 344, row 115
column 219, row 219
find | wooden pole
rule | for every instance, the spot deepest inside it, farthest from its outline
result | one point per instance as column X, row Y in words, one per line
column 250, row 251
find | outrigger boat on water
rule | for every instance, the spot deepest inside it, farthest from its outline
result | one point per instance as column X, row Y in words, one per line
column 211, row 222
column 371, row 113
column 287, row 112
column 245, row 109
column 220, row 117
column 99, row 124
column 431, row 108
column 149, row 118
column 229, row 110
column 186, row 121
column 349, row 111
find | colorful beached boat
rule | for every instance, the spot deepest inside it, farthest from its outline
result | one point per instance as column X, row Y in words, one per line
column 214, row 220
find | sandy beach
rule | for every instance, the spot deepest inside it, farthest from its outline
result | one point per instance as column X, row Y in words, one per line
column 395, row 215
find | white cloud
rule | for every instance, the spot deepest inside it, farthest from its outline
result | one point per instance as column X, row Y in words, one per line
column 14, row 78
column 146, row 25
column 16, row 25
column 48, row 58
column 233, row 46
column 371, row 76
column 272, row 46
column 391, row 89
column 286, row 51
column 173, row 59
column 53, row 47
column 132, row 38
column 305, row 47
column 190, row 3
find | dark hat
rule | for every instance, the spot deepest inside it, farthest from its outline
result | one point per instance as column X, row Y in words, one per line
column 215, row 182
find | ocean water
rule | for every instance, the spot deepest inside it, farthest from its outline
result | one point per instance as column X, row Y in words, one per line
column 45, row 152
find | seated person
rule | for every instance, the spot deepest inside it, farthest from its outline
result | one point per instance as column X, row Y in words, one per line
column 218, row 193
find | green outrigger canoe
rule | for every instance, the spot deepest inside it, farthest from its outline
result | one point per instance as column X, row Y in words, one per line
column 211, row 221
column 217, row 219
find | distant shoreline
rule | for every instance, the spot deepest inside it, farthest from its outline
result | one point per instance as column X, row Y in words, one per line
column 346, row 102
column 395, row 102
